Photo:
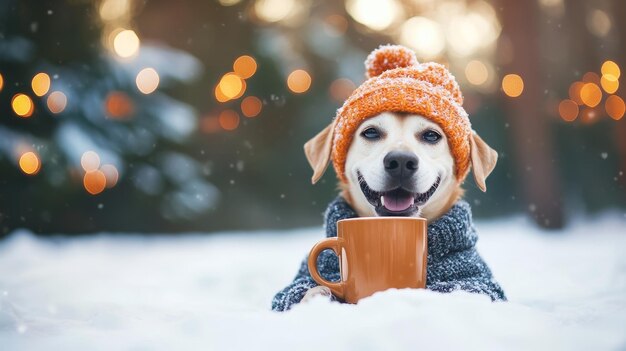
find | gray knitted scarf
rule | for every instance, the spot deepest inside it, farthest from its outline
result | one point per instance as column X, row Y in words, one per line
column 453, row 262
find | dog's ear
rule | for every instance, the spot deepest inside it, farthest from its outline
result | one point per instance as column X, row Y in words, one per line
column 318, row 151
column 483, row 159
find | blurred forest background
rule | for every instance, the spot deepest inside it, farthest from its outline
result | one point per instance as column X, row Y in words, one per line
column 169, row 116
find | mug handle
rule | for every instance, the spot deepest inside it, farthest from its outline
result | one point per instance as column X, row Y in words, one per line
column 329, row 243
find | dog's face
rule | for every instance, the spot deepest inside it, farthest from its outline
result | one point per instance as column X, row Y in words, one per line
column 400, row 165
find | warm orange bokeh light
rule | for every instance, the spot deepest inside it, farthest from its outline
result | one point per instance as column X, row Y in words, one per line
column 609, row 83
column 591, row 77
column 299, row 81
column 590, row 94
column 574, row 92
column 111, row 174
column 1, row 82
column 251, row 106
column 147, row 80
column 229, row 120
column 90, row 161
column 614, row 106
column 40, row 84
column 219, row 96
column 118, row 105
column 94, row 182
column 244, row 86
column 245, row 66
column 22, row 105
column 513, row 85
column 231, row 85
column 341, row 88
column 589, row 115
column 57, row 101
column 568, row 110
column 610, row 68
column 210, row 124
column 29, row 163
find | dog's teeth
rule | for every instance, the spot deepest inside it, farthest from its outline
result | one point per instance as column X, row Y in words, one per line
column 382, row 200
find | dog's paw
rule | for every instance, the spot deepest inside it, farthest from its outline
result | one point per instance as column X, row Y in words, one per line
column 317, row 291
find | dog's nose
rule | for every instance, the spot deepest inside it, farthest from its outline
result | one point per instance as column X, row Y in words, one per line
column 400, row 164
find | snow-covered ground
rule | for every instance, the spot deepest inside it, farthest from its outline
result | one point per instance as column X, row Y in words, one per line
column 567, row 291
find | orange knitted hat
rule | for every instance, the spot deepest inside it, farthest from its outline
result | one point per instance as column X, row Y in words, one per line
column 398, row 83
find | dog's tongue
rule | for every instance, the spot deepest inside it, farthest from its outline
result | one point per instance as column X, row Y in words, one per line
column 397, row 203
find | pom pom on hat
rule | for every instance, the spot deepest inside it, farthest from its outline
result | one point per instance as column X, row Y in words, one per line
column 388, row 57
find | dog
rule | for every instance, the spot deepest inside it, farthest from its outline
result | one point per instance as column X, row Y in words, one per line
column 402, row 145
column 399, row 164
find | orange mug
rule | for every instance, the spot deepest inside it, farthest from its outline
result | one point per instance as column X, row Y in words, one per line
column 375, row 254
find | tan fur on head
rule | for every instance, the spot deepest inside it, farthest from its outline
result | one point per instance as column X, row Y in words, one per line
column 402, row 132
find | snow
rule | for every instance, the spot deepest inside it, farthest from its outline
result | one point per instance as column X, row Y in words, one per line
column 567, row 291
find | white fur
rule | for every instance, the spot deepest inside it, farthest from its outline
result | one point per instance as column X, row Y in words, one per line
column 400, row 132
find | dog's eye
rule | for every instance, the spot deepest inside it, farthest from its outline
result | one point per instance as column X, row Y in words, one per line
column 371, row 134
column 430, row 136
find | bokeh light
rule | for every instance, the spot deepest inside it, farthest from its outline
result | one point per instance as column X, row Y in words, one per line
column 244, row 85
column 609, row 83
column 245, row 66
column 29, row 163
column 251, row 106
column 57, row 101
column 113, row 9
column 219, row 96
column 614, row 106
column 90, row 161
column 110, row 174
column 423, row 35
column 598, row 23
column 273, row 10
column 610, row 68
column 574, row 92
column 299, row 81
column 147, row 80
column 40, row 84
column 126, row 43
column 476, row 72
column 553, row 7
column 1, row 82
column 513, row 85
column 229, row 120
column 375, row 14
column 22, row 105
column 340, row 89
column 230, row 85
column 229, row 2
column 591, row 77
column 589, row 116
column 210, row 124
column 473, row 29
column 590, row 94
column 118, row 105
column 568, row 110
column 94, row 182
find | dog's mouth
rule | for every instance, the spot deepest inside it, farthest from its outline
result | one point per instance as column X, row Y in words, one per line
column 398, row 201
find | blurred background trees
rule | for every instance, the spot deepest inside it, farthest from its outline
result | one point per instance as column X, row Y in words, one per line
column 167, row 116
